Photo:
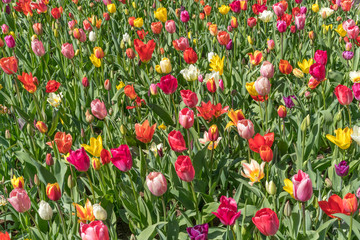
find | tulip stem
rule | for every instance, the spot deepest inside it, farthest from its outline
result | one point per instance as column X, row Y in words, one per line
column 62, row 219
column 233, row 232
column 267, row 171
column 134, row 192
column 164, row 207
column 351, row 223
column 304, row 220
column 281, row 44
column 348, row 108
column 196, row 203
column 323, row 93
column 91, row 186
column 18, row 94
column 266, row 115
column 33, row 219
column 189, row 143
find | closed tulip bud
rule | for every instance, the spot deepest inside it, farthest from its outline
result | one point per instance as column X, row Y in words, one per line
column 82, row 133
column 315, row 8
column 53, row 191
column 130, row 53
column 79, row 8
column 96, row 164
column 41, row 126
column 229, row 28
column 49, row 160
column 312, row 35
column 56, row 33
column 270, row 187
column 111, row 111
column 70, row 182
column 221, row 85
column 270, row 44
column 305, row 123
column 348, row 46
column 328, row 183
column 122, row 44
column 350, row 203
column 250, row 41
column 1, row 43
column 98, row 52
column 99, row 212
column 107, row 84
column 7, row 134
column 287, row 209
column 10, row 41
column 262, row 86
column 5, row 29
column 106, row 16
column 213, row 133
column 36, row 180
column 153, row 89
column 298, row 73
column 38, row 28
column 45, row 211
column 123, row 129
column 77, row 52
column 282, row 112
column 157, row 184
column 85, row 82
column 211, row 85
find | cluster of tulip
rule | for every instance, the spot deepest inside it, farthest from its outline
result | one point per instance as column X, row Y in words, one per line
column 196, row 119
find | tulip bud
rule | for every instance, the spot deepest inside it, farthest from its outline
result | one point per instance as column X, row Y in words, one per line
column 41, row 126
column 270, row 44
column 312, row 35
column 307, row 94
column 56, row 33
column 89, row 117
column 211, row 85
column 85, row 82
column 298, row 73
column 250, row 41
column 107, row 84
column 305, row 123
column 328, row 183
column 70, row 182
column 92, row 36
column 221, row 84
column 200, row 78
column 99, row 212
column 123, row 129
column 77, row 52
column 130, row 53
column 153, row 89
column 36, row 180
column 122, row 44
column 7, row 134
column 213, row 133
column 45, row 211
column 287, row 209
column 282, row 112
column 49, row 160
column 348, row 46
column 53, row 191
column 95, row 162
column 270, row 187
column 38, row 28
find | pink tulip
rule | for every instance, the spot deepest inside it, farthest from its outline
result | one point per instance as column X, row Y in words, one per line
column 245, row 128
column 79, row 159
column 186, row 118
column 96, row 230
column 156, row 183
column 356, row 90
column 67, row 50
column 227, row 211
column 38, row 48
column 181, row 44
column 353, row 32
column 184, row 16
column 302, row 188
column 270, row 44
column 20, row 200
column 281, row 26
column 278, row 9
column 82, row 35
column 121, row 158
column 184, row 168
column 321, row 57
column 262, row 86
column 300, row 21
column 98, row 109
column 10, row 41
column 267, row 69
column 318, row 71
column 170, row 26
column 221, row 84
column 347, row 24
column 5, row 29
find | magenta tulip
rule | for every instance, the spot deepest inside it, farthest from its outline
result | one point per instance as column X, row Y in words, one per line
column 96, row 230
column 121, row 158
column 318, row 71
column 227, row 211
column 281, row 26
column 79, row 159
column 321, row 57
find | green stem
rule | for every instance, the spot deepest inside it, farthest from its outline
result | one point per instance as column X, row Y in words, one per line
column 233, row 232
column 62, row 219
column 323, row 93
column 33, row 219
column 196, row 203
column 136, row 198
column 164, row 208
column 351, row 223
column 304, row 220
column 91, row 186
column 348, row 108
column 189, row 142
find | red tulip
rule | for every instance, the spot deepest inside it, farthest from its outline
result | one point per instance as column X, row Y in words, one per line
column 213, row 133
column 251, row 22
column 9, row 65
column 105, row 156
column 184, row 168
column 285, row 67
column 227, row 211
column 344, row 94
column 121, row 158
column 52, row 86
column 144, row 51
column 53, row 191
column 190, row 98
column 176, row 141
column 332, row 206
column 168, row 84
column 266, row 154
column 190, row 56
column 266, row 221
column 223, row 37
column 256, row 142
column 350, row 203
column 156, row 27
column 181, row 44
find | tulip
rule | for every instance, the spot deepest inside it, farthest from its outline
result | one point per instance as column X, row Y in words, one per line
column 227, row 211
column 342, row 169
column 161, row 14
column 20, row 200
column 224, row 9
column 41, row 126
column 156, row 27
column 281, row 26
column 145, row 51
column 165, row 66
column 168, row 84
column 10, row 41
column 271, row 45
column 293, row 29
column 251, row 22
column 267, row 70
column 350, row 203
column 278, row 9
column 170, row 26
column 344, row 94
column 156, row 183
column 266, row 221
column 153, row 89
column 37, row 27
column 300, row 21
column 289, row 102
column 5, row 29
column 347, row 55
column 254, row 171
column 317, row 71
column 266, row 154
column 321, row 57
column 302, row 186
column 303, row 10
column 189, row 98
column 176, row 141
column 92, row 36
column 266, row 16
column 99, row 212
column 262, row 86
column 79, row 159
column 223, row 38
column 184, row 168
column 45, row 211
column 235, row 6
column 49, row 160
column 191, row 73
column 130, row 92
column 121, row 158
column 245, row 128
column 211, row 85
column 184, row 16
column 63, row 142
column 17, row 182
column 53, row 191
column 352, row 32
column 356, row 90
column 186, row 118
column 234, row 23
column 190, row 56
column 95, row 163
column 282, row 111
column 95, row 230
column 198, row 232
column 358, row 193
column 130, row 53
column 98, row 109
column 98, row 52
column 285, row 67
column 67, row 50
column 343, row 137
column 270, row 187
column 144, row 133
column 229, row 46
column 181, row 44
column 105, row 156
column 213, row 133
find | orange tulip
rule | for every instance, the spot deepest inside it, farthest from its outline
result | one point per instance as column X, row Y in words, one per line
column 266, row 154
column 223, row 37
column 350, row 203
column 145, row 51
column 63, row 142
column 144, row 132
column 29, row 82
column 207, row 10
column 9, row 65
column 285, row 67
column 98, row 52
column 156, row 27
column 213, row 29
column 256, row 58
column 53, row 191
column 85, row 213
column 130, row 92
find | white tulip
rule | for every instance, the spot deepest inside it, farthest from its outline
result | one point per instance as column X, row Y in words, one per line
column 92, row 36
column 45, row 211
column 99, row 212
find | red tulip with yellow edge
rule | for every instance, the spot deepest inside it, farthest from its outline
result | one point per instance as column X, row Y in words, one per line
column 53, row 191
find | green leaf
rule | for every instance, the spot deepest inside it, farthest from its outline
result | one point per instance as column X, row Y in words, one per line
column 148, row 233
column 355, row 225
column 162, row 113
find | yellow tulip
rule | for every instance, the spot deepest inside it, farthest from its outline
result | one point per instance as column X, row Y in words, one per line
column 250, row 87
column 298, row 73
column 289, row 187
column 342, row 138
column 165, row 66
column 162, row 126
column 134, row 4
column 139, row 22
column 217, row 64
column 340, row 30
column 17, row 182
column 95, row 146
column 305, row 65
column 111, row 8
column 161, row 14
column 315, row 8
column 158, row 69
column 224, row 9
column 120, row 86
column 96, row 61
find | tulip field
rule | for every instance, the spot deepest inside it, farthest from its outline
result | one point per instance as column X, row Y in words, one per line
column 188, row 119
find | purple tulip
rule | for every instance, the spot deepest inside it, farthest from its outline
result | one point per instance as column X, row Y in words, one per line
column 10, row 41
column 288, row 101
column 342, row 169
column 348, row 55
column 229, row 46
column 198, row 232
column 7, row 9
